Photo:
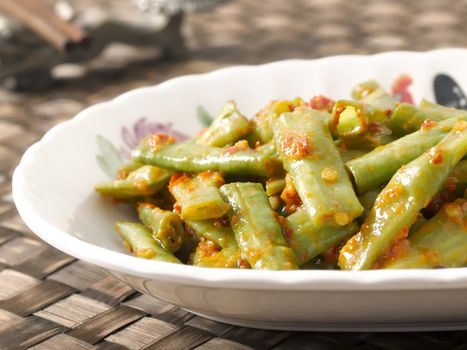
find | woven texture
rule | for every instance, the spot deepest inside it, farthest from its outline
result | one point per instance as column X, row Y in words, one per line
column 49, row 300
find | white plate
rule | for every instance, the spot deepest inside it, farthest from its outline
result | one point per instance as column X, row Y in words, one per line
column 53, row 190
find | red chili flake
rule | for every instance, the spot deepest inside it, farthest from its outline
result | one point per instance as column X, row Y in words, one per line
column 159, row 139
column 178, row 177
column 241, row 145
column 290, row 196
column 436, row 156
column 392, row 192
column 295, row 146
column 234, row 220
column 177, row 207
column 398, row 249
column 427, row 125
column 215, row 176
column 322, row 103
column 122, row 174
column 243, row 263
column 208, row 248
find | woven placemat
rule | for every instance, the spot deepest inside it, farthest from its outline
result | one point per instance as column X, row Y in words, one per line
column 49, row 300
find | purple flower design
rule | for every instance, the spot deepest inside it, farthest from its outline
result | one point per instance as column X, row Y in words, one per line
column 141, row 128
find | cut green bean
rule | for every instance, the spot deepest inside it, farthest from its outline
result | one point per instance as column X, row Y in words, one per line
column 141, row 243
column 407, row 118
column 127, row 169
column 290, row 196
column 311, row 158
column 378, row 166
column 213, row 230
column 144, row 181
column 377, row 135
column 263, row 123
column 165, row 225
column 351, row 118
column 275, row 186
column 198, row 196
column 206, row 256
column 308, row 240
column 256, row 229
column 438, row 111
column 397, row 206
column 363, row 89
column 228, row 127
column 197, row 158
column 440, row 242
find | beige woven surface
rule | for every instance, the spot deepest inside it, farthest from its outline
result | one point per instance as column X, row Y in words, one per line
column 49, row 300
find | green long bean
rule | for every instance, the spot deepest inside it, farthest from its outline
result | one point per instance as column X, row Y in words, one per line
column 438, row 111
column 263, row 122
column 165, row 225
column 145, row 180
column 397, row 206
column 141, row 243
column 275, row 186
column 226, row 258
column 198, row 158
column 256, row 229
column 440, row 242
column 228, row 127
column 309, row 240
column 365, row 88
column 311, row 158
column 408, row 118
column 198, row 196
column 213, row 230
column 378, row 166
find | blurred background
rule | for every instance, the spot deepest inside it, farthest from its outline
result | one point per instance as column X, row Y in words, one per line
column 59, row 56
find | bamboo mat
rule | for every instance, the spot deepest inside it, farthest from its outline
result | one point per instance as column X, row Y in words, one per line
column 49, row 300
